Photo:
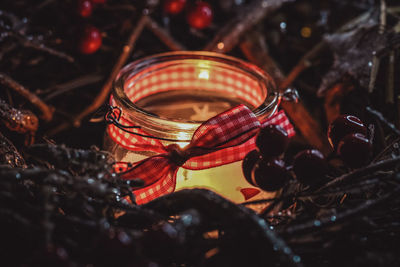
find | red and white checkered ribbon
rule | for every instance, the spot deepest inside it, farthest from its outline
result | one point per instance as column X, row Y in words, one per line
column 223, row 139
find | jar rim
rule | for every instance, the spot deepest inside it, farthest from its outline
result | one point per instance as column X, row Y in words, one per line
column 267, row 107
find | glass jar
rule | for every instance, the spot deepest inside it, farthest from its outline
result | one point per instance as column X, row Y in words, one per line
column 169, row 95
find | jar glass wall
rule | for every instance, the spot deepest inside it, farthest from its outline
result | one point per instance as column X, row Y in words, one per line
column 169, row 95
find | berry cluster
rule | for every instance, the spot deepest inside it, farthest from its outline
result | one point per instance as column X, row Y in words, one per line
column 263, row 168
column 91, row 39
column 199, row 14
column 348, row 137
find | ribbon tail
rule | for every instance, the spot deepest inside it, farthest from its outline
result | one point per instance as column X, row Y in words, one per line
column 165, row 185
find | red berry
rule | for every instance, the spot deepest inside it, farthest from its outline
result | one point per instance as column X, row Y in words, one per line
column 85, row 8
column 99, row 1
column 91, row 40
column 248, row 164
column 174, row 7
column 355, row 150
column 269, row 175
column 200, row 15
column 272, row 140
column 344, row 125
column 310, row 166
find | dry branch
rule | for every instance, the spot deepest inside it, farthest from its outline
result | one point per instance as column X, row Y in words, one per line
column 105, row 91
column 163, row 35
column 47, row 111
column 231, row 33
column 254, row 49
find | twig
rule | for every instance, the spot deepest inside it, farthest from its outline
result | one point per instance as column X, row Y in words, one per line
column 70, row 85
column 29, row 42
column 163, row 35
column 382, row 17
column 381, row 165
column 304, row 63
column 335, row 218
column 47, row 111
column 231, row 33
column 10, row 154
column 41, row 47
column 386, row 149
column 383, row 120
column 105, row 91
column 390, row 86
column 254, row 49
column 19, row 120
column 202, row 200
column 375, row 59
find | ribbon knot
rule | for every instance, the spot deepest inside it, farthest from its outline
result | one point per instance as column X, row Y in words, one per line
column 177, row 155
column 223, row 139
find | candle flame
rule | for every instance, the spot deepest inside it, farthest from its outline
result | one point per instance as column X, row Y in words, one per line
column 204, row 74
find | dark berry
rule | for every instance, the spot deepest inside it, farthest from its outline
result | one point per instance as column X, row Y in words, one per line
column 91, row 40
column 344, row 125
column 200, row 15
column 248, row 164
column 310, row 166
column 174, row 7
column 355, row 150
column 269, row 175
column 85, row 8
column 272, row 140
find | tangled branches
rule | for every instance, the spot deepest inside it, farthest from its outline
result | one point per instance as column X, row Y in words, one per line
column 69, row 209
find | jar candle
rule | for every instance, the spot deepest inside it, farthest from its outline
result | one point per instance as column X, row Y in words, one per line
column 169, row 95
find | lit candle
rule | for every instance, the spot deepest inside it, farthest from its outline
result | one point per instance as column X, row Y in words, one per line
column 169, row 95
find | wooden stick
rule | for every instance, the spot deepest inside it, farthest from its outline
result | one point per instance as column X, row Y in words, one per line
column 47, row 111
column 388, row 164
column 383, row 120
column 389, row 92
column 60, row 89
column 163, row 35
column 18, row 120
column 303, row 64
column 41, row 47
column 254, row 49
column 29, row 42
column 375, row 59
column 8, row 150
column 105, row 91
column 305, row 61
column 230, row 35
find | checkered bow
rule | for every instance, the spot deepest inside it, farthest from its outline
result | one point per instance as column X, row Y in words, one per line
column 223, row 139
